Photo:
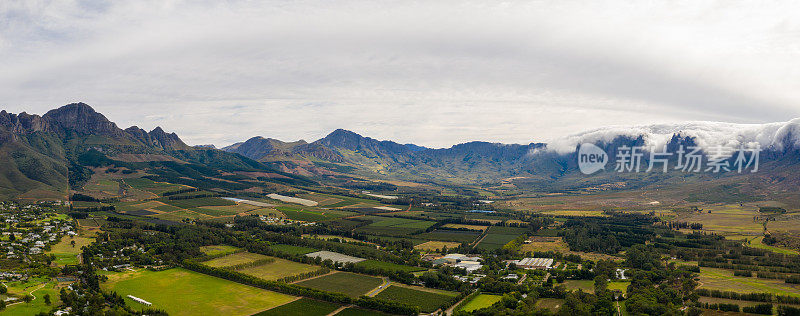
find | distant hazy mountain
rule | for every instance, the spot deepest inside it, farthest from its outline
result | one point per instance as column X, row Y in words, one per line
column 535, row 165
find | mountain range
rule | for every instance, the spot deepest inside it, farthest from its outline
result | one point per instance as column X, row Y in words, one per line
column 61, row 149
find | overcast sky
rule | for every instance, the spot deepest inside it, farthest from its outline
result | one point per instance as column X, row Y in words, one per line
column 434, row 73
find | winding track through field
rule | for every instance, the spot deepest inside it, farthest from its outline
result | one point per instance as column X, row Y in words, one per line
column 29, row 293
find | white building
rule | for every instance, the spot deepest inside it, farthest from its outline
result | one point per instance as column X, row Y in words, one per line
column 534, row 263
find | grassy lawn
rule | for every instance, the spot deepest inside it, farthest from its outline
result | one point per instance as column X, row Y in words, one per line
column 302, row 307
column 234, row 259
column 351, row 284
column 481, row 301
column 65, row 253
column 278, row 269
column 619, row 285
column 574, row 285
column 427, row 301
column 36, row 288
column 724, row 280
column 184, row 292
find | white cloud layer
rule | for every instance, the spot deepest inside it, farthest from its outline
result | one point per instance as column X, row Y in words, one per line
column 707, row 135
column 432, row 72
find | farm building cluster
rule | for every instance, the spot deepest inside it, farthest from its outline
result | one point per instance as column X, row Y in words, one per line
column 457, row 260
column 533, row 263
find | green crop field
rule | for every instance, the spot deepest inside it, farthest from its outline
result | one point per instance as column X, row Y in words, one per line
column 355, row 311
column 481, row 301
column 427, row 301
column 292, row 250
column 757, row 243
column 351, row 284
column 369, row 263
column 301, row 214
column 184, row 292
column 225, row 209
column 302, row 307
column 277, row 269
column 178, row 216
column 192, row 203
column 234, row 259
column 398, row 222
column 458, row 236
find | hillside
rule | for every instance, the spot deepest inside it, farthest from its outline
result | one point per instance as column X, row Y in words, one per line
column 50, row 154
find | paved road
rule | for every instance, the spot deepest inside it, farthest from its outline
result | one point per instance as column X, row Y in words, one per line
column 380, row 288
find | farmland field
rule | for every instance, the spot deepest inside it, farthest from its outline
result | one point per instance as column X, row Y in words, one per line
column 192, row 203
column 302, row 307
column 495, row 241
column 574, row 285
column 225, row 210
column 289, row 199
column 65, row 253
column 277, row 269
column 184, row 292
column 300, row 214
column 234, row 259
column 724, row 280
column 387, row 266
column 334, row 256
column 619, row 285
column 152, row 186
column 351, row 284
column 757, row 243
column 355, row 311
column 427, row 301
column 393, row 226
column 727, row 219
column 292, row 250
column 450, row 235
column 178, row 216
column 470, row 227
column 436, row 245
column 592, row 213
column 126, row 207
column 481, row 301
column 218, row 249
